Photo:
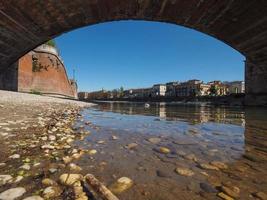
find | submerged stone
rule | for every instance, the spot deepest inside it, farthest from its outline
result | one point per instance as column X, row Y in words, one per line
column 207, row 188
column 154, row 140
column 208, row 166
column 224, row 196
column 233, row 191
column 121, row 185
column 219, row 164
column 70, row 179
column 184, row 171
column 164, row 150
column 131, row 146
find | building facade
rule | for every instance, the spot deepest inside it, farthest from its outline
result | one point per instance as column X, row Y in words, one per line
column 171, row 89
column 158, row 90
column 217, row 88
column 236, row 87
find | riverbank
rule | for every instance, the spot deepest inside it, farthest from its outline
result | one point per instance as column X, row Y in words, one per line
column 37, row 135
column 229, row 100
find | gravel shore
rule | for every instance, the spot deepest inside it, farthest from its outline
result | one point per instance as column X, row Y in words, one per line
column 36, row 133
column 24, row 98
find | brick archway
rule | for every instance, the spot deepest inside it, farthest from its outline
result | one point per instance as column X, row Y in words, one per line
column 241, row 24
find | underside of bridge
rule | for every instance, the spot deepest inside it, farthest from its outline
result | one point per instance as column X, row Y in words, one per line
column 242, row 24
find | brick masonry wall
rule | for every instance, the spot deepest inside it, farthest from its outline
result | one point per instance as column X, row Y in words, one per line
column 45, row 73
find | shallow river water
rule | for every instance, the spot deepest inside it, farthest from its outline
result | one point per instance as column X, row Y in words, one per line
column 173, row 151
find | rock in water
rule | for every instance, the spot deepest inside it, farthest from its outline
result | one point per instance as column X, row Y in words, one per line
column 121, row 185
column 207, row 188
column 224, row 196
column 92, row 152
column 12, row 193
column 131, row 146
column 233, row 191
column 164, row 150
column 74, row 167
column 70, row 179
column 163, row 174
column 154, row 140
column 184, row 171
column 219, row 164
column 208, row 166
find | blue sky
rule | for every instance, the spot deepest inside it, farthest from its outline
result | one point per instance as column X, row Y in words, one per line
column 136, row 54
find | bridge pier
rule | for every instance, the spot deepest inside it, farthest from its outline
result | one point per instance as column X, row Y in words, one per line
column 9, row 77
column 256, row 83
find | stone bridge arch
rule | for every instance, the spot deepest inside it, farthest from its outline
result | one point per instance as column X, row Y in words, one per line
column 242, row 24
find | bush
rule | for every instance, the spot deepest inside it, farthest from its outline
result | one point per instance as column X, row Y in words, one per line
column 51, row 43
column 33, row 91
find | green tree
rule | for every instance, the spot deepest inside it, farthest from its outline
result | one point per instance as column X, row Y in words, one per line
column 51, row 43
column 213, row 90
column 121, row 91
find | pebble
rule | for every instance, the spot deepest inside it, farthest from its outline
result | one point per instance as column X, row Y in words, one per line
column 114, row 137
column 131, row 146
column 70, row 179
column 25, row 166
column 224, row 196
column 164, row 150
column 4, row 179
column 18, row 179
column 191, row 157
column 33, row 198
column 53, row 170
column 154, row 140
column 77, row 155
column 74, row 167
column 51, row 192
column 2, row 165
column 44, row 138
column 121, row 185
column 92, row 152
column 52, row 137
column 14, row 156
column 207, row 188
column 184, row 171
column 48, row 146
column 219, row 164
column 233, row 191
column 48, row 182
column 67, row 159
column 208, row 166
column 12, row 193
column 260, row 195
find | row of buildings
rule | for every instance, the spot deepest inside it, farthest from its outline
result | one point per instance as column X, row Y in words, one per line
column 191, row 88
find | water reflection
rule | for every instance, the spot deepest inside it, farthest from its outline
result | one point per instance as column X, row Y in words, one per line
column 194, row 114
column 196, row 135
